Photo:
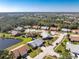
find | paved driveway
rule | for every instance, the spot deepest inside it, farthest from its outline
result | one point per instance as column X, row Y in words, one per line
column 50, row 49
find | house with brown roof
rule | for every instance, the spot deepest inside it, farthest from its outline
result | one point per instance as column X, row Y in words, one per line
column 19, row 51
column 74, row 38
column 75, row 31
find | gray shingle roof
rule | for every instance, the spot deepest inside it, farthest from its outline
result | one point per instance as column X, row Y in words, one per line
column 36, row 43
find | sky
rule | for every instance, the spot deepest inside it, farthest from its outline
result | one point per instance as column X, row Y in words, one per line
column 39, row 5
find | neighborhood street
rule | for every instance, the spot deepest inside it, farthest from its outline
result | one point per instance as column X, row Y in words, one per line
column 50, row 49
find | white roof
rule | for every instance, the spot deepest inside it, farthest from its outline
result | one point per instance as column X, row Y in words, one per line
column 18, row 28
column 72, row 47
column 32, row 30
column 13, row 32
column 53, row 32
column 44, row 34
column 65, row 29
column 44, row 27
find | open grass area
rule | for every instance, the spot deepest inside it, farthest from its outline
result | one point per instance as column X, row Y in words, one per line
column 35, row 52
column 5, row 35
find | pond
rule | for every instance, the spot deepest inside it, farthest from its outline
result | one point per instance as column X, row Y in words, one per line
column 5, row 43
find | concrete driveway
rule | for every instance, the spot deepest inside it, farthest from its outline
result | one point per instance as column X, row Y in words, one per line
column 50, row 49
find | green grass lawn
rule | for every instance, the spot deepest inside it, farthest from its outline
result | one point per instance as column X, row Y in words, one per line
column 35, row 52
column 49, row 42
column 49, row 57
column 62, row 47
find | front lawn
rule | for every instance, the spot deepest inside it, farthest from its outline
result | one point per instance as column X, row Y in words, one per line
column 35, row 52
column 49, row 42
column 50, row 57
column 61, row 49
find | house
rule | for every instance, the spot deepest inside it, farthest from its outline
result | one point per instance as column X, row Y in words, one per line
column 44, row 28
column 27, row 27
column 65, row 30
column 13, row 32
column 33, row 31
column 75, row 31
column 74, row 38
column 19, row 51
column 53, row 28
column 30, row 30
column 36, row 27
column 45, row 35
column 53, row 32
column 18, row 28
column 36, row 43
column 74, row 50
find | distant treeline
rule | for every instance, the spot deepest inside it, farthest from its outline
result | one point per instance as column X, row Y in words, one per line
column 11, row 21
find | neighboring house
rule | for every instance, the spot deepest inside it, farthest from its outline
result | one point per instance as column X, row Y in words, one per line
column 19, row 51
column 27, row 27
column 45, row 35
column 74, row 38
column 32, row 31
column 53, row 28
column 53, row 32
column 74, row 50
column 13, row 32
column 75, row 31
column 36, row 43
column 36, row 27
column 44, row 28
column 16, row 33
column 65, row 30
column 18, row 28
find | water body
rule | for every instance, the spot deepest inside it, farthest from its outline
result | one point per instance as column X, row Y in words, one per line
column 5, row 43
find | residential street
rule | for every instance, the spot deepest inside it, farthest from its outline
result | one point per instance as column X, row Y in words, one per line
column 50, row 49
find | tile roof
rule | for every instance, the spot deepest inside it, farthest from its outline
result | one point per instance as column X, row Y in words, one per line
column 74, row 37
column 19, row 50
